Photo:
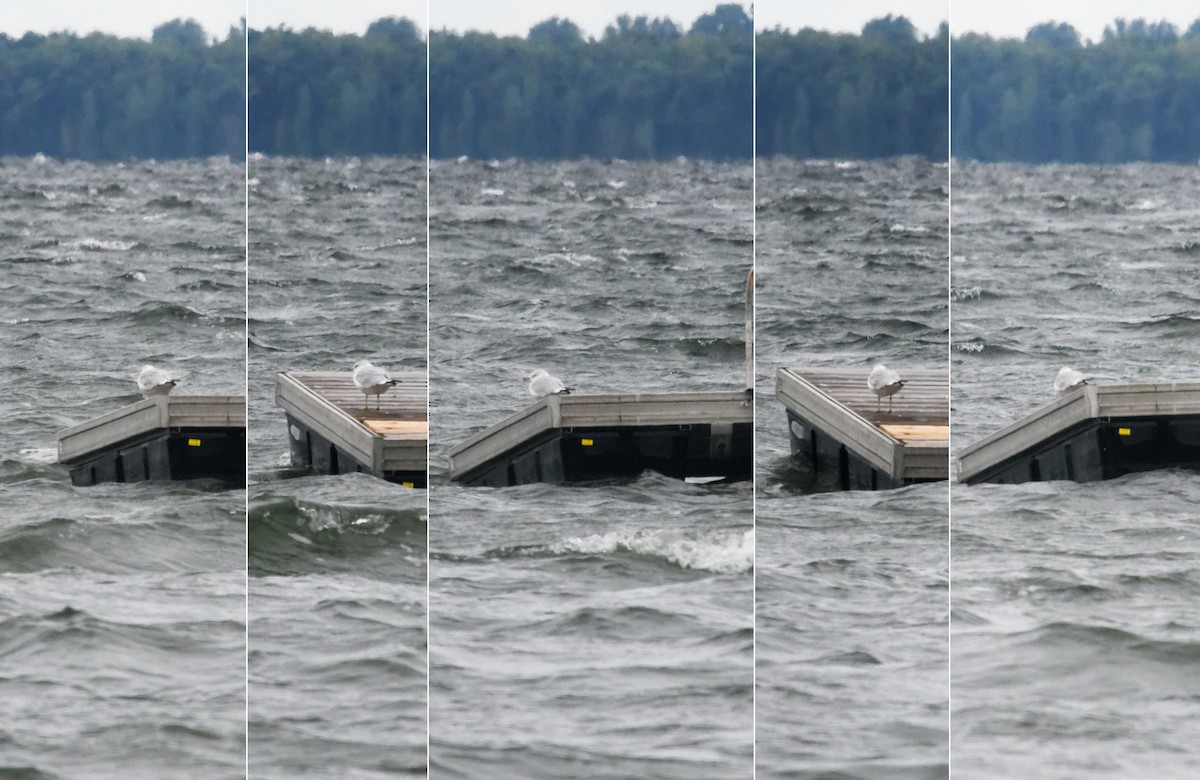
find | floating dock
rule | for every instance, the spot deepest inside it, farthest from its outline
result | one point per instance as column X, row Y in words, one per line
column 833, row 423
column 1096, row 432
column 332, row 433
column 572, row 438
column 165, row 437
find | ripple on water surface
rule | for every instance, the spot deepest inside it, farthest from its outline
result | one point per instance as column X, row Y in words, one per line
column 123, row 634
column 1076, row 640
column 337, row 564
column 602, row 630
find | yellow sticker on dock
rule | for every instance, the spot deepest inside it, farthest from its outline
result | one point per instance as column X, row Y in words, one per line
column 586, row 442
column 193, row 442
column 1123, row 431
column 407, row 484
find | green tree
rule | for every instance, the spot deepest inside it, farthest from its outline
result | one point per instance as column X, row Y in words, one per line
column 727, row 18
column 179, row 32
column 893, row 29
column 557, row 31
column 396, row 30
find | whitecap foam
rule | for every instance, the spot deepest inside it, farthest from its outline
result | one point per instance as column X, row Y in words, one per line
column 722, row 552
column 98, row 244
column 898, row 228
column 39, row 455
column 299, row 538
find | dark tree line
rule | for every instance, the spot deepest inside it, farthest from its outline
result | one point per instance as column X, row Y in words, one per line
column 878, row 94
column 645, row 89
column 1133, row 95
column 105, row 98
column 316, row 94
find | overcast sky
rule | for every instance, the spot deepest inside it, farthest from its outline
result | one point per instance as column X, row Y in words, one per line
column 506, row 17
column 127, row 18
column 340, row 16
column 138, row 18
column 1011, row 18
column 1006, row 18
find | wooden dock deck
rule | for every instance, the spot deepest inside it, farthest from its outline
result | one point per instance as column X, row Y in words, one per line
column 163, row 437
column 570, row 438
column 845, row 432
column 331, row 431
column 1096, row 432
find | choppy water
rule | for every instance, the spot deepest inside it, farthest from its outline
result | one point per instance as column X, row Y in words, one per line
column 337, row 564
column 852, row 586
column 122, row 607
column 1076, row 633
column 602, row 630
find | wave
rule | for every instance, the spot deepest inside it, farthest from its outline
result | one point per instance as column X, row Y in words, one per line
column 172, row 202
column 207, row 285
column 254, row 340
column 100, row 245
column 182, row 533
column 721, row 552
column 801, row 205
column 38, row 545
column 617, row 622
column 31, row 463
column 714, row 348
column 288, row 534
column 1083, row 204
column 1174, row 325
column 152, row 312
column 10, row 772
column 69, row 629
column 964, row 293
column 197, row 246
column 1117, row 643
column 987, row 349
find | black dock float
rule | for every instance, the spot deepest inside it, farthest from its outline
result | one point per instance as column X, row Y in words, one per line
column 331, row 432
column 165, row 437
column 852, row 441
column 1094, row 433
column 704, row 436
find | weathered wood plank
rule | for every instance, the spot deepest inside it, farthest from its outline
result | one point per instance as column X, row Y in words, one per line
column 600, row 411
column 400, row 429
column 404, row 401
column 1089, row 402
column 924, row 398
column 391, row 438
column 157, row 412
column 909, row 442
